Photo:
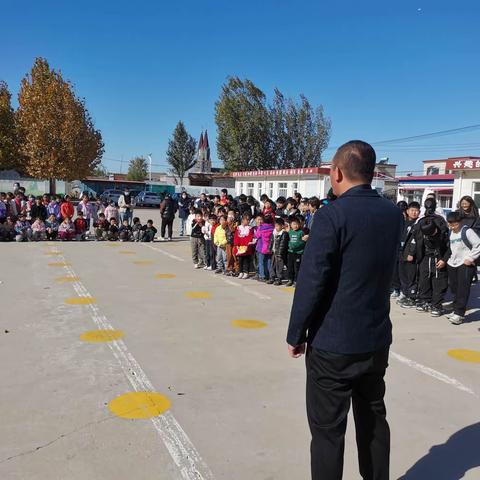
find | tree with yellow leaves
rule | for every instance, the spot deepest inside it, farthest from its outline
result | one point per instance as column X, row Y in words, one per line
column 57, row 135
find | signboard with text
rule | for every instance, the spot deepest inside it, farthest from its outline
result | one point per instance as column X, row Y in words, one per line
column 463, row 164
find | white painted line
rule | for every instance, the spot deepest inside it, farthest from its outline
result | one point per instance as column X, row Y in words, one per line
column 229, row 282
column 180, row 447
column 433, row 373
column 168, row 254
column 256, row 294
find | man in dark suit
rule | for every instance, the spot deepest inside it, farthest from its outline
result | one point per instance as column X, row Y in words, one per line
column 340, row 316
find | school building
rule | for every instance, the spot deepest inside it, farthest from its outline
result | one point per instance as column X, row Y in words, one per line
column 309, row 181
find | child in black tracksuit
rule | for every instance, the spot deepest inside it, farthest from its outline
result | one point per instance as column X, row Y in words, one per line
column 279, row 248
column 407, row 267
column 431, row 252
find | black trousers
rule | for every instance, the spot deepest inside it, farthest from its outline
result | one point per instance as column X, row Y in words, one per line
column 432, row 283
column 460, row 279
column 246, row 263
column 333, row 381
column 167, row 223
column 408, row 278
column 293, row 265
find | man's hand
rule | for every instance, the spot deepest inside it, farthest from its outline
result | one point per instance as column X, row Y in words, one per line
column 410, row 258
column 440, row 264
column 305, row 238
column 469, row 262
column 296, row 351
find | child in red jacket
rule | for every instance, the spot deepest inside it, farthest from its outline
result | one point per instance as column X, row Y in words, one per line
column 244, row 246
column 80, row 227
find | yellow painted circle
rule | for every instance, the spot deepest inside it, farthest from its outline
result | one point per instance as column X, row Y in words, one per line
column 135, row 405
column 463, row 355
column 98, row 336
column 288, row 289
column 50, row 244
column 59, row 264
column 127, row 252
column 67, row 279
column 113, row 244
column 250, row 324
column 198, row 294
column 53, row 254
column 165, row 275
column 80, row 300
column 143, row 262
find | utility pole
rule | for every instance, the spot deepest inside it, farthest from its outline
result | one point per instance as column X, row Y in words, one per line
column 150, row 166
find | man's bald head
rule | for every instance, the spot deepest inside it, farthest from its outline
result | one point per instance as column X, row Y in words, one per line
column 356, row 159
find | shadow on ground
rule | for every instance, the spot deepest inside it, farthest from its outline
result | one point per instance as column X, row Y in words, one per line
column 450, row 461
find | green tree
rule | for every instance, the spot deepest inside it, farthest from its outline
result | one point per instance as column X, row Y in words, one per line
column 243, row 126
column 57, row 134
column 181, row 152
column 137, row 169
column 9, row 154
column 304, row 132
column 100, row 171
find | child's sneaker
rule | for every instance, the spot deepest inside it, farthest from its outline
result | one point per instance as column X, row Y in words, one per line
column 395, row 294
column 277, row 283
column 455, row 319
column 437, row 312
column 420, row 306
column 401, row 297
column 197, row 265
column 289, row 284
column 209, row 268
column 407, row 303
column 218, row 270
column 206, row 267
column 270, row 282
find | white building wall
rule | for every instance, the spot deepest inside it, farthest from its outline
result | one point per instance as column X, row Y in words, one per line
column 440, row 165
column 466, row 183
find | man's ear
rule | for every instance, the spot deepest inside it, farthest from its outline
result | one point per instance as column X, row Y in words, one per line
column 337, row 175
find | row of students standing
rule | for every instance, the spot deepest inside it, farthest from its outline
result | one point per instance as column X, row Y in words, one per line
column 437, row 253
column 263, row 244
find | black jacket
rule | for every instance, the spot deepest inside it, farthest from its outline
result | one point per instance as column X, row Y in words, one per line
column 196, row 230
column 279, row 243
column 436, row 246
column 408, row 246
column 38, row 211
column 342, row 299
column 168, row 209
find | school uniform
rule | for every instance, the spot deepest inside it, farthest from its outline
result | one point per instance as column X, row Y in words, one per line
column 432, row 281
column 408, row 270
column 295, row 251
column 279, row 249
column 463, row 245
column 197, row 242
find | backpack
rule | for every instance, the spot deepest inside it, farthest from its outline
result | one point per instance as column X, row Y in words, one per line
column 465, row 240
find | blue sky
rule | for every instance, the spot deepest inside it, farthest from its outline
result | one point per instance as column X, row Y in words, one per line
column 381, row 69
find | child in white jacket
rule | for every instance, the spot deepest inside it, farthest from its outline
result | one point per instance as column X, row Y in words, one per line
column 465, row 249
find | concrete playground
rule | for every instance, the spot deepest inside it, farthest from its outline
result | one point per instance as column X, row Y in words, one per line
column 121, row 361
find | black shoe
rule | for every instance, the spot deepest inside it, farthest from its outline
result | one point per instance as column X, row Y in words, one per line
column 437, row 312
column 407, row 303
column 277, row 283
column 289, row 283
column 270, row 282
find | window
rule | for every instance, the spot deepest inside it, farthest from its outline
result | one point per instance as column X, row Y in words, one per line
column 295, row 187
column 283, row 189
column 433, row 171
column 270, row 190
column 241, row 188
column 250, row 187
column 260, row 187
column 476, row 193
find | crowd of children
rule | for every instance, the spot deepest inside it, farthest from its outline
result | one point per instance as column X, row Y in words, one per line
column 246, row 239
column 48, row 217
column 437, row 252
column 265, row 240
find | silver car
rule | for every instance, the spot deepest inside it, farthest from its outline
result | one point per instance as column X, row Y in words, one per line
column 111, row 195
column 148, row 199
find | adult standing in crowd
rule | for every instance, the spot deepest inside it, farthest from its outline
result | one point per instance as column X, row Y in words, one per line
column 167, row 212
column 468, row 211
column 125, row 206
column 340, row 317
column 184, row 203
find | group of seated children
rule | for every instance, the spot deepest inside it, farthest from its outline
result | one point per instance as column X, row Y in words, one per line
column 79, row 229
column 264, row 245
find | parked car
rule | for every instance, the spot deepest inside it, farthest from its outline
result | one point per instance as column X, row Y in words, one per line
column 111, row 195
column 148, row 199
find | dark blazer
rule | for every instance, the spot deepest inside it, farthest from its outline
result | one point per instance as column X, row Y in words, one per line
column 342, row 298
